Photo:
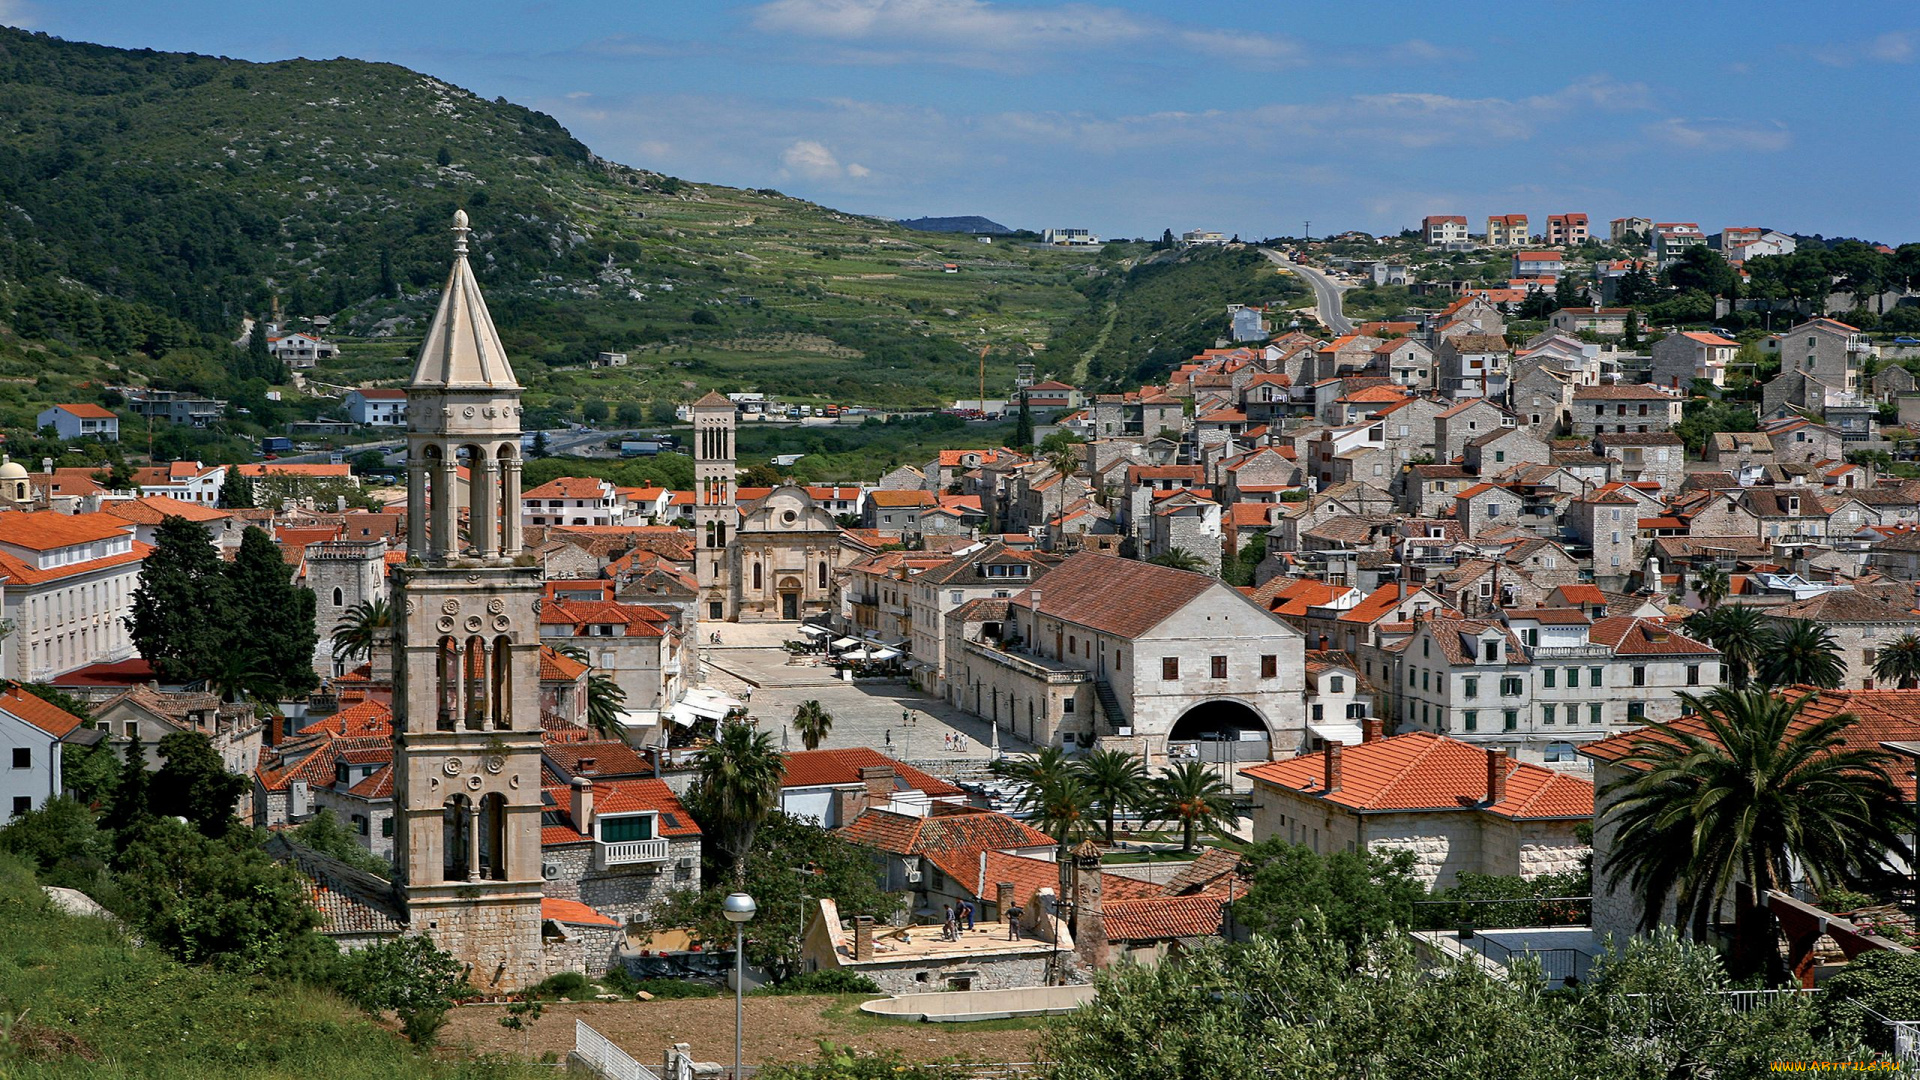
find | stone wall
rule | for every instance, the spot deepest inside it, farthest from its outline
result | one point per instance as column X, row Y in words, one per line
column 590, row 950
column 625, row 893
column 987, row 973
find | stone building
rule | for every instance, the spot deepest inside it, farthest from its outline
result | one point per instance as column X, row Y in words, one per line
column 1861, row 620
column 1458, row 808
column 1165, row 663
column 344, row 574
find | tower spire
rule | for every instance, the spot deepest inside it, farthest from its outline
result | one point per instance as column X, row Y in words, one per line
column 460, row 231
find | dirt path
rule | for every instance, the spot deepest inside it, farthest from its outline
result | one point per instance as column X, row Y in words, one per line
column 777, row 1029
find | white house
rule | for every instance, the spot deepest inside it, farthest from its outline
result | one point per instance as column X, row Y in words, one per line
column 70, row 580
column 374, row 406
column 31, row 731
column 301, row 350
column 80, row 421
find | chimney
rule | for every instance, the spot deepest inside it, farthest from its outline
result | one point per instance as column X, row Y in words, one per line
column 587, row 765
column 1003, row 899
column 581, row 804
column 1333, row 765
column 862, row 937
column 1496, row 776
column 879, row 781
column 1369, row 729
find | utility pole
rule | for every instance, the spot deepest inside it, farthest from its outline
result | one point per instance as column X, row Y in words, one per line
column 983, row 380
column 1309, row 232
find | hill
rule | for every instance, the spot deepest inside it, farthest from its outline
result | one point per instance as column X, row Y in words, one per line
column 152, row 199
column 971, row 224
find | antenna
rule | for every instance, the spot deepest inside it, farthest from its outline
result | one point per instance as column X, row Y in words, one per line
column 1309, row 232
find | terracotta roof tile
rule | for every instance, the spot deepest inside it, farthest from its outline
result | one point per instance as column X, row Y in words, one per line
column 39, row 712
column 823, row 768
column 1424, row 771
column 1163, row 918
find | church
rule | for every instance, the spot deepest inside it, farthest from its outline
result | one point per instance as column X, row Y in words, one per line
column 764, row 554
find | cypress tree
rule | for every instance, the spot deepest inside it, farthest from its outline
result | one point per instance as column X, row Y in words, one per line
column 237, row 492
column 271, row 615
column 130, row 794
column 1023, row 426
column 183, row 609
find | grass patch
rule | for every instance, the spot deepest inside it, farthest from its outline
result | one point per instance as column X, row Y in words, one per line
column 100, row 1008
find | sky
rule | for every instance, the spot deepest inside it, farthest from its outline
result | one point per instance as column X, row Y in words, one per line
column 1131, row 117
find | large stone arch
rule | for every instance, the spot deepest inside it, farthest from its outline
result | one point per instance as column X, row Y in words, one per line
column 1220, row 729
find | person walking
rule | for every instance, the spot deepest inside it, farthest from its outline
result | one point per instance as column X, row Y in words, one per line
column 950, row 929
column 889, row 738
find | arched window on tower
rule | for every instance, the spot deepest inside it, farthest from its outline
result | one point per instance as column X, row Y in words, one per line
column 493, row 837
column 823, row 574
column 757, row 586
column 448, row 683
column 502, row 693
column 456, row 838
column 339, row 597
column 474, row 665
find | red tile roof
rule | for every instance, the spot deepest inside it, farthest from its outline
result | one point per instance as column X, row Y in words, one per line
column 44, row 530
column 153, row 509
column 1123, row 597
column 1628, row 636
column 556, row 667
column 595, row 759
column 39, row 712
column 972, row 830
column 1422, row 771
column 572, row 911
column 1163, row 918
column 826, row 768
column 86, row 412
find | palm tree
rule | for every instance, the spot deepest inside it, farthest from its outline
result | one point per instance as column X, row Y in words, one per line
column 1742, row 638
column 1748, row 800
column 1898, row 661
column 1062, row 807
column 1713, row 585
column 736, row 785
column 606, row 702
column 1804, row 652
column 813, row 722
column 1195, row 796
column 364, row 626
column 237, row 674
column 1117, row 780
column 1177, row 559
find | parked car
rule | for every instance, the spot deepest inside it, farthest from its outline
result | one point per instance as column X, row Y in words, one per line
column 1906, row 341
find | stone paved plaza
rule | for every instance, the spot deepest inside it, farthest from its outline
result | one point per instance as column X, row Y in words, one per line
column 750, row 656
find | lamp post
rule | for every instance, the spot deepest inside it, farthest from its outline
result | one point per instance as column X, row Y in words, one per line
column 906, row 722
column 739, row 909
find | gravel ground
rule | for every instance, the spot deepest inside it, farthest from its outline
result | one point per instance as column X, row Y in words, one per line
column 778, row 1029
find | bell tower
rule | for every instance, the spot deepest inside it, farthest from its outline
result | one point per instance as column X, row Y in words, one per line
column 715, row 517
column 467, row 654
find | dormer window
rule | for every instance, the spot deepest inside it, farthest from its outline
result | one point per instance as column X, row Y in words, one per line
column 1490, row 650
column 624, row 828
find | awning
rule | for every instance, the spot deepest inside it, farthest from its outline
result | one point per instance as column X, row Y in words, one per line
column 854, row 654
column 639, row 718
column 845, row 642
column 708, row 704
column 1344, row 734
column 885, row 654
column 814, row 631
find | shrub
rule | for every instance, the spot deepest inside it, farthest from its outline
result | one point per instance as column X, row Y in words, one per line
column 566, row 984
column 824, row 982
column 673, row 989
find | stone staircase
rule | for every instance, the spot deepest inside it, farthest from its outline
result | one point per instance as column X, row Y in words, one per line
column 1110, row 704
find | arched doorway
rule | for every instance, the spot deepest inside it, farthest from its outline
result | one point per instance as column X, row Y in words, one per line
column 1220, row 730
column 790, row 598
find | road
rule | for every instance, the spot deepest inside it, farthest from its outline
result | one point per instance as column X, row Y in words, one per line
column 1326, row 294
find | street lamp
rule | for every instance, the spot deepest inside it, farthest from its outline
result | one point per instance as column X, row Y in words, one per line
column 738, row 908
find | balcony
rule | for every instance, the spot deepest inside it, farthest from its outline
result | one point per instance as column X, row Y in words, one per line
column 629, row 852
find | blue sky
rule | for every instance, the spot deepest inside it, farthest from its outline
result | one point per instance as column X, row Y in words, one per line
column 1131, row 117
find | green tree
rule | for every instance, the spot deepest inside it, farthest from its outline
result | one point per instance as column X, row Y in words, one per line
column 1702, row 269
column 62, row 842
column 193, row 783
column 237, row 492
column 1748, row 800
column 1358, row 894
column 1193, row 795
column 540, row 448
column 630, row 412
column 813, row 722
column 408, row 977
column 1178, row 559
column 211, row 900
column 1884, row 983
column 324, row 833
column 606, row 703
column 1022, row 437
column 736, row 785
column 130, row 794
column 1802, row 653
column 1713, row 585
column 594, row 411
column 1739, row 633
column 1898, row 661
column 362, row 628
column 790, row 858
column 1118, row 782
column 90, row 773
column 273, row 615
column 184, row 610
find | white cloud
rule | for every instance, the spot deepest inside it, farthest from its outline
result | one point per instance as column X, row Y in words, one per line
column 811, row 160
column 1717, row 134
column 1892, row 47
column 959, row 23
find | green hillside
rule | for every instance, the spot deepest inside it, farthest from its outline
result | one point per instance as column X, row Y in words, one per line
column 151, row 199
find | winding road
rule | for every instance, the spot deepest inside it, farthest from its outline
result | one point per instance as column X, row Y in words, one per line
column 1326, row 294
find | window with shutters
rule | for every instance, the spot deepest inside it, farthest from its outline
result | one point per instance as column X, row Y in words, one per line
column 1169, row 667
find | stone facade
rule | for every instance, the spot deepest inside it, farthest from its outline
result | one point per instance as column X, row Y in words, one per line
column 625, row 893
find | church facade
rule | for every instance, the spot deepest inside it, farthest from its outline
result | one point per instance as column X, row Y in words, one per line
column 769, row 557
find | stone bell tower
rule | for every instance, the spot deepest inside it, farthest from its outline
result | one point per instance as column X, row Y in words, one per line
column 467, row 654
column 715, row 515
